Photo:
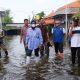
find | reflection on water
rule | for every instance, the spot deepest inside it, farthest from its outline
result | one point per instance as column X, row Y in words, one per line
column 47, row 69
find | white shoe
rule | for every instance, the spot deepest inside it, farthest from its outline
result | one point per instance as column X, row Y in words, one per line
column 37, row 59
column 27, row 60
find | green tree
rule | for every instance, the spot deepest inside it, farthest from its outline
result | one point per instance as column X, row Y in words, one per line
column 7, row 18
column 41, row 14
column 77, row 15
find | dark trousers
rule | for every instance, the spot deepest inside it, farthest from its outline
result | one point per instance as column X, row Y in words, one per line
column 75, row 51
column 58, row 47
column 47, row 50
column 2, row 46
column 29, row 52
column 44, row 49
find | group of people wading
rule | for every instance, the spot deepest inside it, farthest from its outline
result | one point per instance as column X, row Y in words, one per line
column 36, row 37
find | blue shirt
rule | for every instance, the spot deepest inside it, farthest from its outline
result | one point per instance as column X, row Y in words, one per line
column 34, row 38
column 58, row 34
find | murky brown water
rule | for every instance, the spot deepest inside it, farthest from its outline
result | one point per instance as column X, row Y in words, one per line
column 47, row 69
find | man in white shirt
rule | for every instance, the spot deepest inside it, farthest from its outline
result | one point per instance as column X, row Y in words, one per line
column 75, row 41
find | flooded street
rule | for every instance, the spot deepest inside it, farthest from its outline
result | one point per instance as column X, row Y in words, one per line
column 47, row 69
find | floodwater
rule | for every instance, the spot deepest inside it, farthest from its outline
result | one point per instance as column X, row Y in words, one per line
column 46, row 69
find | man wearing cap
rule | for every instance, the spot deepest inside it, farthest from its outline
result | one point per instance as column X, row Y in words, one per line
column 74, row 33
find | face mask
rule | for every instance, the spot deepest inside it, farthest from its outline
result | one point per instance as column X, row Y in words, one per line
column 33, row 25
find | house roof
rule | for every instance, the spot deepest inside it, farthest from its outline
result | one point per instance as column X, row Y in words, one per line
column 73, row 4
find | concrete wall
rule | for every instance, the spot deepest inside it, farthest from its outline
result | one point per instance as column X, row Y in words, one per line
column 19, row 25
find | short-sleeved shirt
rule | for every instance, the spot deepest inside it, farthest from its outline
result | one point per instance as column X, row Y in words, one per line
column 75, row 39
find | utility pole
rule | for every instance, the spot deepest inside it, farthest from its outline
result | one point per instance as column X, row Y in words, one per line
column 66, row 21
column 32, row 15
column 0, row 23
column 29, row 18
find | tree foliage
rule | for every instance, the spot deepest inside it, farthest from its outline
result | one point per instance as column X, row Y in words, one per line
column 41, row 14
column 77, row 15
column 7, row 18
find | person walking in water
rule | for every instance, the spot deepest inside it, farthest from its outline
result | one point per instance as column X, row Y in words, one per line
column 2, row 45
column 33, row 41
column 23, row 31
column 74, row 33
column 58, row 37
column 45, row 35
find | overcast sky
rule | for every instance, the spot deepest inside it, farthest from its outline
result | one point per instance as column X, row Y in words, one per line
column 21, row 9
